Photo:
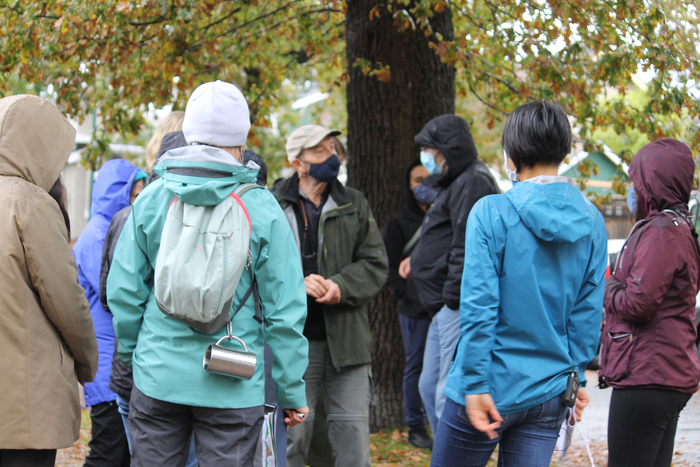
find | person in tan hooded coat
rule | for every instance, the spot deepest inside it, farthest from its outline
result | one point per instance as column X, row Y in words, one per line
column 47, row 339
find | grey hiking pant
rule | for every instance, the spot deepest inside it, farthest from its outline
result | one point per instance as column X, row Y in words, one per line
column 348, row 396
column 161, row 432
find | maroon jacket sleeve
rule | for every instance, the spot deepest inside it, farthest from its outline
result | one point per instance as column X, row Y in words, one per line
column 653, row 265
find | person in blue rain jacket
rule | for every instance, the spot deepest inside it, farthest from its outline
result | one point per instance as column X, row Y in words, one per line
column 115, row 187
column 531, row 303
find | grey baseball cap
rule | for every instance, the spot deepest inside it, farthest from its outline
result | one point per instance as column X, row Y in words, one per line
column 306, row 137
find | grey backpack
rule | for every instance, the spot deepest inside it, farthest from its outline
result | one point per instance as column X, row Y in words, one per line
column 203, row 252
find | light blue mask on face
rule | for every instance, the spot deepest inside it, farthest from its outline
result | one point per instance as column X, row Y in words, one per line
column 428, row 161
column 632, row 200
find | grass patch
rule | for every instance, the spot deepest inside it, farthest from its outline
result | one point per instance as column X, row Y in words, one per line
column 391, row 448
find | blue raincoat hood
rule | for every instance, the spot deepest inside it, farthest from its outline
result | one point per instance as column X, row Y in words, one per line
column 110, row 193
column 219, row 174
column 111, row 190
column 554, row 212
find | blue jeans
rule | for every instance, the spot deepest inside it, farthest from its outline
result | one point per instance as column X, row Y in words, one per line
column 443, row 335
column 527, row 438
column 123, row 407
column 414, row 332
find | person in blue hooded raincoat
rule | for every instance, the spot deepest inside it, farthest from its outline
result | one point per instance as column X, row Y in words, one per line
column 531, row 304
column 115, row 187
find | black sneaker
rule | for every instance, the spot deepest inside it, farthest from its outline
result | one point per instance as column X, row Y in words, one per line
column 420, row 438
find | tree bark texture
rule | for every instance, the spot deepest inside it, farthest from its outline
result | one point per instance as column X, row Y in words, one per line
column 383, row 118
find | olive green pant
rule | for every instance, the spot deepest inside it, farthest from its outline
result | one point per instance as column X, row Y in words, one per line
column 348, row 397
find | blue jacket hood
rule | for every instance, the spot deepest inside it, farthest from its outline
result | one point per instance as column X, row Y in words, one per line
column 111, row 190
column 555, row 211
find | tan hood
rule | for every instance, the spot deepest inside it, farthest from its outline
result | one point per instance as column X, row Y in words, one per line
column 35, row 140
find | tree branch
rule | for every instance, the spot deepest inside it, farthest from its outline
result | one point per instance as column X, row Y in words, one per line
column 471, row 88
column 8, row 7
column 233, row 12
column 254, row 20
column 306, row 13
column 503, row 82
column 160, row 19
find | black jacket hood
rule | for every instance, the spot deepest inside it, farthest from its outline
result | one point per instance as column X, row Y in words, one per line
column 408, row 194
column 450, row 134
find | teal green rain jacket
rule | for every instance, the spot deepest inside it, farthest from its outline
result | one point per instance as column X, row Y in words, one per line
column 532, row 294
column 166, row 355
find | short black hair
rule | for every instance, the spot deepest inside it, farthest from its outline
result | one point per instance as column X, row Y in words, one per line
column 537, row 133
column 248, row 155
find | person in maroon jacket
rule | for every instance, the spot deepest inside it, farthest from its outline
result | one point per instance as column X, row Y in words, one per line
column 649, row 355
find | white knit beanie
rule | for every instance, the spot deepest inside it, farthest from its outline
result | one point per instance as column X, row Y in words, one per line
column 217, row 114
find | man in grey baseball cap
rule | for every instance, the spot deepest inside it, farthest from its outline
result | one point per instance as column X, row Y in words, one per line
column 306, row 137
column 345, row 265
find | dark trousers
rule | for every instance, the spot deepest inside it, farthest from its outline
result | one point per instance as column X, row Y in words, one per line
column 414, row 332
column 161, row 432
column 642, row 426
column 108, row 446
column 27, row 457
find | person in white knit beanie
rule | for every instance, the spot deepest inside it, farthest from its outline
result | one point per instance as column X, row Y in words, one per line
column 217, row 115
column 174, row 396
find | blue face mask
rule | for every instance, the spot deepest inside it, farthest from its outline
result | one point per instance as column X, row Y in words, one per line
column 632, row 200
column 326, row 171
column 424, row 194
column 428, row 161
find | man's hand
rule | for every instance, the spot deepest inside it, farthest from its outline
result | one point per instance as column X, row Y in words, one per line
column 295, row 416
column 479, row 407
column 581, row 403
column 405, row 268
column 315, row 285
column 332, row 295
column 323, row 290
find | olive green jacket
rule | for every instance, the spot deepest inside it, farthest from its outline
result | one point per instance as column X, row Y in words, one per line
column 350, row 253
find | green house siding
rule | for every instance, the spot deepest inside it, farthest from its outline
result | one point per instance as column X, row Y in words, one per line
column 606, row 171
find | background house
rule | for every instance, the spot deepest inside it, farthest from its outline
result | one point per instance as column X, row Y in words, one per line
column 618, row 219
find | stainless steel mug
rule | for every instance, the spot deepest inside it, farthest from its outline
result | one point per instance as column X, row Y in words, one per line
column 230, row 362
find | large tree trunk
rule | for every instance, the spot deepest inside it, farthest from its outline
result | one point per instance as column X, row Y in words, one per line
column 383, row 118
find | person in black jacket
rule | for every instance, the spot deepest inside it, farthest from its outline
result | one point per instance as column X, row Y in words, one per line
column 121, row 380
column 401, row 234
column 448, row 150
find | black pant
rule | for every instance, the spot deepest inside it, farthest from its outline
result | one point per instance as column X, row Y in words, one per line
column 27, row 457
column 108, row 446
column 642, row 426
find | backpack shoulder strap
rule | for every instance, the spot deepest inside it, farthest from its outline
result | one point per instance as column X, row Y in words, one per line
column 253, row 289
column 245, row 187
column 239, row 191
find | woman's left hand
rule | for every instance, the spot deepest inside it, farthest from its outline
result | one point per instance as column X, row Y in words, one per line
column 581, row 403
column 479, row 407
